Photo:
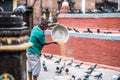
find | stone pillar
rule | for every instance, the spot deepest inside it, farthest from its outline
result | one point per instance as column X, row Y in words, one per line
column 83, row 6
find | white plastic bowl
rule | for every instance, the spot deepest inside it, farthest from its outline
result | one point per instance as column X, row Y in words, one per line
column 60, row 33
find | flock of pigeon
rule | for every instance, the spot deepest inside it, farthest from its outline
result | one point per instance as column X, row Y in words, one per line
column 88, row 30
column 63, row 68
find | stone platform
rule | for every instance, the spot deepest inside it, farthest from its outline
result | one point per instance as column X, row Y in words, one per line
column 77, row 72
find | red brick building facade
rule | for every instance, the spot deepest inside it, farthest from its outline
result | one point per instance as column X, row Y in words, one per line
column 53, row 6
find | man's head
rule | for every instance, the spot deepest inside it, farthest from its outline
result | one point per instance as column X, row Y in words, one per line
column 43, row 23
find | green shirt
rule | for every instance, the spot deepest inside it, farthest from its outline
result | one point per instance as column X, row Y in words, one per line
column 37, row 37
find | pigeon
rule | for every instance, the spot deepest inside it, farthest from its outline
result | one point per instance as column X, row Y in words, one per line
column 116, row 77
column 43, row 63
column 75, row 30
column 59, row 71
column 69, row 28
column 70, row 63
column 99, row 76
column 86, row 77
column 48, row 56
column 89, row 71
column 79, row 79
column 88, row 31
column 21, row 9
column 107, row 32
column 98, row 30
column 92, row 67
column 67, row 70
column 58, row 61
column 78, row 65
column 119, row 30
column 57, row 68
column 44, row 66
column 73, row 76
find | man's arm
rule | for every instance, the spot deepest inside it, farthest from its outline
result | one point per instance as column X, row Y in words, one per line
column 50, row 42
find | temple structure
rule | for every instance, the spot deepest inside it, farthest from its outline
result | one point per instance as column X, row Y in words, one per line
column 14, row 35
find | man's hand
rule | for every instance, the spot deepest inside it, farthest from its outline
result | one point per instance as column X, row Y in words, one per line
column 55, row 42
column 52, row 24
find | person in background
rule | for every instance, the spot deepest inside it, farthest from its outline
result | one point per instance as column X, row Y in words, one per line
column 37, row 37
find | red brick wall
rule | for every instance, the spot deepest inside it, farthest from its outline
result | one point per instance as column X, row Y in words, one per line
column 90, row 50
column 103, row 23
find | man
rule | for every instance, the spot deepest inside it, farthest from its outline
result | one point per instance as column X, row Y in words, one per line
column 37, row 37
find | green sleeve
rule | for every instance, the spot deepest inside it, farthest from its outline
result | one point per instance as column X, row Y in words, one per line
column 42, row 38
